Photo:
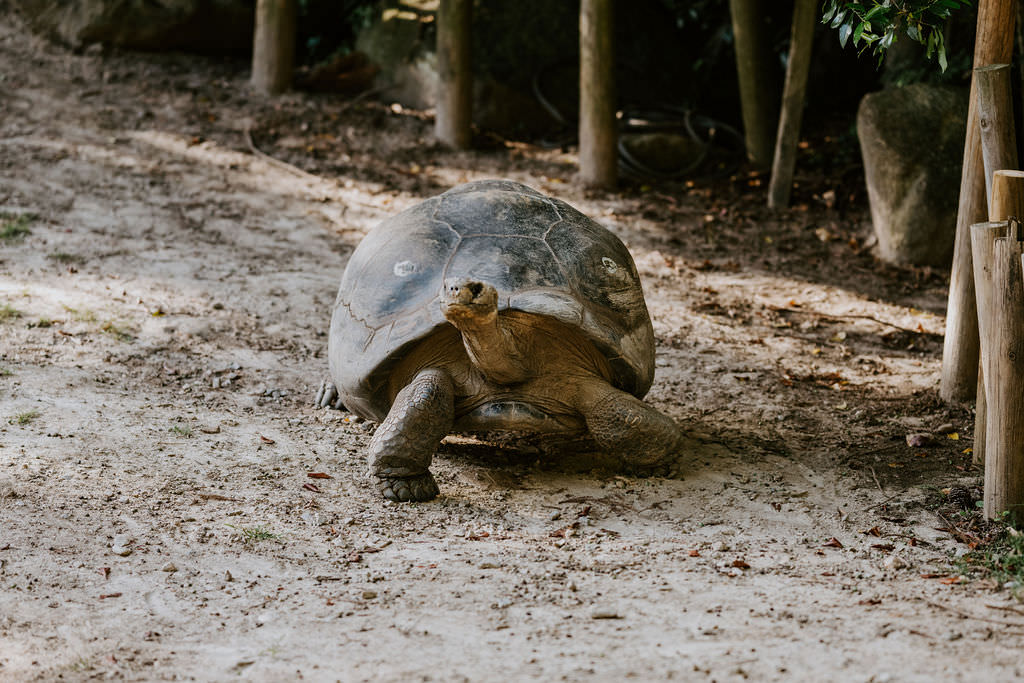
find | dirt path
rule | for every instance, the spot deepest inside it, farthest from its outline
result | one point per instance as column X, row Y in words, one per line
column 164, row 331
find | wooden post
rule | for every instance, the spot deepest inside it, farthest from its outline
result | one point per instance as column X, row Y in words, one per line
column 784, row 163
column 273, row 46
column 455, row 73
column 995, row 120
column 597, row 133
column 1004, row 443
column 1006, row 199
column 757, row 81
column 983, row 236
column 993, row 45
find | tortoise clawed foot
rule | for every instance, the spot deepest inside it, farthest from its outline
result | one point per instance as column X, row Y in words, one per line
column 327, row 396
column 416, row 489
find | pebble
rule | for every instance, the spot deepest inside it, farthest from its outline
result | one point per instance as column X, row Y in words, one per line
column 169, row 567
column 121, row 545
column 227, row 576
column 895, row 562
column 369, row 595
column 946, row 428
column 919, row 440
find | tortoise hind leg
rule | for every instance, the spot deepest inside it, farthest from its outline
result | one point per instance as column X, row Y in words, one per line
column 404, row 443
column 625, row 426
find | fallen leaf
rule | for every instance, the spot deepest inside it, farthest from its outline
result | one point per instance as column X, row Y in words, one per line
column 318, row 475
column 871, row 601
column 109, row 595
column 311, row 487
column 267, row 440
column 885, row 547
column 833, row 543
column 105, row 571
column 740, row 564
column 694, row 553
column 933, row 576
column 873, row 531
column 950, row 580
column 953, row 435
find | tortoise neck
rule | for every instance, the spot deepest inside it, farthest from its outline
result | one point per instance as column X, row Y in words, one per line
column 494, row 347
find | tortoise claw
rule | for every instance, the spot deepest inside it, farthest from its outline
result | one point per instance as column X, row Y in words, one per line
column 416, row 489
column 327, row 396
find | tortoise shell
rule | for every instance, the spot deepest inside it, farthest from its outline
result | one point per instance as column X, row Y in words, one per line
column 539, row 253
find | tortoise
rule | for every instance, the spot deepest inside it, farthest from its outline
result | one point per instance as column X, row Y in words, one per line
column 492, row 307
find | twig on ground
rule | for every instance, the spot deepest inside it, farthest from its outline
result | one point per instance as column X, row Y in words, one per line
column 968, row 615
column 846, row 316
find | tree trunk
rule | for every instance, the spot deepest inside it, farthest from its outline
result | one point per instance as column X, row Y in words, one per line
column 801, row 39
column 597, row 133
column 993, row 45
column 757, row 80
column 455, row 73
column 273, row 46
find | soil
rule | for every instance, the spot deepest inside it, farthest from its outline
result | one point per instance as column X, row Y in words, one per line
column 172, row 505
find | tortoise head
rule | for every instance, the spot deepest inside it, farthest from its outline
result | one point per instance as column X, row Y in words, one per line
column 465, row 300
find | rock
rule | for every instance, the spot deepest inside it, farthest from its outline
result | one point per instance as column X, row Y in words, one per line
column 169, row 567
column 895, row 562
column 919, row 440
column 912, row 142
column 211, row 26
column 369, row 595
column 121, row 545
column 605, row 613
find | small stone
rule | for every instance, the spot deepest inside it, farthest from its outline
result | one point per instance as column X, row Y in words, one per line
column 946, row 428
column 169, row 567
column 121, row 545
column 555, row 515
column 369, row 595
column 895, row 562
column 720, row 546
column 919, row 440
column 227, row 576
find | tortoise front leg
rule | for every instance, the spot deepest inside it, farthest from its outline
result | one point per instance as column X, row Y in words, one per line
column 404, row 443
column 625, row 426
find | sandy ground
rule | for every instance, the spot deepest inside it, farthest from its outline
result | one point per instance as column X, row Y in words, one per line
column 165, row 330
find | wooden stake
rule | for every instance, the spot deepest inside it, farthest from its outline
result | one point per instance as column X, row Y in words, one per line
column 273, row 46
column 452, row 123
column 597, row 129
column 801, row 39
column 983, row 236
column 993, row 45
column 1004, row 443
column 995, row 120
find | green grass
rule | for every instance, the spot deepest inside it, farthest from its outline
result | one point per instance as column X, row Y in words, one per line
column 25, row 418
column 1000, row 560
column 15, row 226
column 254, row 534
column 8, row 312
column 85, row 316
column 6, row 372
column 181, row 430
column 62, row 257
column 120, row 331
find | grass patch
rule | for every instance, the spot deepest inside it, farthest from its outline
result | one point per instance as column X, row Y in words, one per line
column 85, row 316
column 6, row 372
column 120, row 331
column 24, row 418
column 254, row 534
column 8, row 312
column 1000, row 560
column 15, row 226
column 180, row 430
column 62, row 257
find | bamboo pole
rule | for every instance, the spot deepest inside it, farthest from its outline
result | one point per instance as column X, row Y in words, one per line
column 597, row 128
column 993, row 44
column 757, row 82
column 452, row 122
column 1006, row 199
column 793, row 92
column 1004, row 443
column 273, row 46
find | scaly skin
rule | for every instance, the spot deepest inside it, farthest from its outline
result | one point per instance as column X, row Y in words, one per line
column 404, row 443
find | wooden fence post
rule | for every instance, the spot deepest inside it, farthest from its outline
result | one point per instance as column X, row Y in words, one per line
column 800, row 41
column 1004, row 443
column 598, row 134
column 452, row 122
column 983, row 236
column 993, row 44
column 273, row 46
column 756, row 76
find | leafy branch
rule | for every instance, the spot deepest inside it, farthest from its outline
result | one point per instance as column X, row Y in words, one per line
column 875, row 25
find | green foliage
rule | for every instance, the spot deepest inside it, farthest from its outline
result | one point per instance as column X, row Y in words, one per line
column 1001, row 560
column 8, row 312
column 24, row 418
column 13, row 226
column 876, row 24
